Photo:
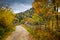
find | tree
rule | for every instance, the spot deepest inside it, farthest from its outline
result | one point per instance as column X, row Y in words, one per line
column 6, row 17
column 6, row 22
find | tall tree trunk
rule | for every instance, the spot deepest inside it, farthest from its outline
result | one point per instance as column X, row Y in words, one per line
column 57, row 15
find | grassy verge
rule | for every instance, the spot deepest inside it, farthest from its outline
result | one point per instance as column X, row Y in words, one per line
column 5, row 32
column 41, row 35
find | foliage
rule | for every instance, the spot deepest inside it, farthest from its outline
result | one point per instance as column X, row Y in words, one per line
column 45, row 11
column 6, row 21
column 25, row 15
column 6, row 17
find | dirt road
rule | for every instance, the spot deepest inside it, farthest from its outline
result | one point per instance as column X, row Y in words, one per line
column 19, row 34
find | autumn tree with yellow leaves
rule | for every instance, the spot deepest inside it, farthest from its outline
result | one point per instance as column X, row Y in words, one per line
column 6, row 17
column 48, row 9
column 6, row 21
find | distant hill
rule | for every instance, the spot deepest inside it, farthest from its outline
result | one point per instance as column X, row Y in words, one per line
column 26, row 14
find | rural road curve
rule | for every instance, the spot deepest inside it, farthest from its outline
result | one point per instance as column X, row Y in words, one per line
column 19, row 34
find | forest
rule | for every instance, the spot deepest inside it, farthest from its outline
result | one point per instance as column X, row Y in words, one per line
column 42, row 21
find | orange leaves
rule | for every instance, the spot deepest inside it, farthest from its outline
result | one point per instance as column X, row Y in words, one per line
column 39, row 5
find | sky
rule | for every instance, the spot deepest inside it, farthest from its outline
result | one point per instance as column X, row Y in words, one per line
column 17, row 5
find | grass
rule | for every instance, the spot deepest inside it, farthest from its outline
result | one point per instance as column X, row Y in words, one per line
column 41, row 35
column 5, row 32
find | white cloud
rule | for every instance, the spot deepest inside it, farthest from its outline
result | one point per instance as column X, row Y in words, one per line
column 19, row 7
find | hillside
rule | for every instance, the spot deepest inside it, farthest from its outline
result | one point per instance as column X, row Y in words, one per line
column 22, row 15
